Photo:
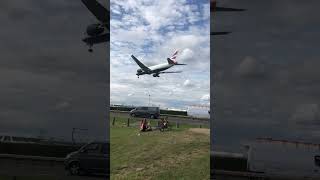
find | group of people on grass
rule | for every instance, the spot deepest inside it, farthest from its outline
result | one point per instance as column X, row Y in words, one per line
column 146, row 126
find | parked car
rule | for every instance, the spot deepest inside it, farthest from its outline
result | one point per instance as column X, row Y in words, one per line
column 147, row 112
column 90, row 158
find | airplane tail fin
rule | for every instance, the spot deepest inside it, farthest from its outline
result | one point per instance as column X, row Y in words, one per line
column 172, row 59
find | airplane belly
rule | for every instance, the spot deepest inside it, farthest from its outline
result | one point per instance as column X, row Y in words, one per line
column 159, row 68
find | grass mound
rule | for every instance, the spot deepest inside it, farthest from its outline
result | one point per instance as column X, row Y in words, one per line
column 174, row 154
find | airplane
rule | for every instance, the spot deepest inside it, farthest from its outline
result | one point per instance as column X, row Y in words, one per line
column 214, row 8
column 157, row 69
column 96, row 33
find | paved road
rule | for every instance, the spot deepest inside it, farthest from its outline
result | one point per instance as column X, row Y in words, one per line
column 51, row 170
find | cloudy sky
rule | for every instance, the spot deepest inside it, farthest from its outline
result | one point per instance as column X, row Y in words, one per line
column 49, row 81
column 152, row 31
column 266, row 73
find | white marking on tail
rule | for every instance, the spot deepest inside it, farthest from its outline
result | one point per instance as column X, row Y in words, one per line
column 174, row 56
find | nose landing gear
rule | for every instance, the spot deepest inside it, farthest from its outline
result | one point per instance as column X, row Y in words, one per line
column 90, row 48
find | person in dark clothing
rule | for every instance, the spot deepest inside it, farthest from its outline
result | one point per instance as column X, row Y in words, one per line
column 161, row 124
column 166, row 123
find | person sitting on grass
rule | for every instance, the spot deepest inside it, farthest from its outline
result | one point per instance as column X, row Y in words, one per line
column 160, row 124
column 166, row 123
column 143, row 125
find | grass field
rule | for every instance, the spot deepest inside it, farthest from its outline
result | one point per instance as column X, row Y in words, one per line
column 180, row 153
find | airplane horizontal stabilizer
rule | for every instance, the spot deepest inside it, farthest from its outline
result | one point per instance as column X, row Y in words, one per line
column 170, row 61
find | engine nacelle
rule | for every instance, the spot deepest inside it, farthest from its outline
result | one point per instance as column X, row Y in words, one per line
column 139, row 72
column 95, row 29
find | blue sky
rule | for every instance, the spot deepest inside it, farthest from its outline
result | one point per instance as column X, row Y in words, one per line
column 152, row 31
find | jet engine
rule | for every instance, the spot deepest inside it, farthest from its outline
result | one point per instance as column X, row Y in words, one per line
column 139, row 71
column 95, row 29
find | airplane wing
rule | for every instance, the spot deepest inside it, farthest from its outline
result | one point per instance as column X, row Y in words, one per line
column 213, row 7
column 170, row 72
column 100, row 12
column 97, row 39
column 227, row 9
column 219, row 33
column 142, row 66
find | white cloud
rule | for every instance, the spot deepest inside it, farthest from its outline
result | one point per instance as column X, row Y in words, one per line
column 152, row 31
column 187, row 55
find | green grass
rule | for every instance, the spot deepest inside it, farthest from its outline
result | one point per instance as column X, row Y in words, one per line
column 174, row 154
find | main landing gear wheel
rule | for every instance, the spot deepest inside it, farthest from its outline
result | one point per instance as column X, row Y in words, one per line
column 90, row 47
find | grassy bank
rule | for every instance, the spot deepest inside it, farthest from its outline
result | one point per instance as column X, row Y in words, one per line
column 182, row 153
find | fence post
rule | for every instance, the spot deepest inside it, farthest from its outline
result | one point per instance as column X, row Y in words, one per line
column 200, row 126
column 113, row 121
column 177, row 124
column 128, row 122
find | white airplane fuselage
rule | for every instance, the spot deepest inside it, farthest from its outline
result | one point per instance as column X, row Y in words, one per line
column 160, row 67
column 157, row 69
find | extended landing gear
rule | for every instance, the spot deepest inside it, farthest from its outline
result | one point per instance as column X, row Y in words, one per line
column 156, row 75
column 90, row 48
column 138, row 76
